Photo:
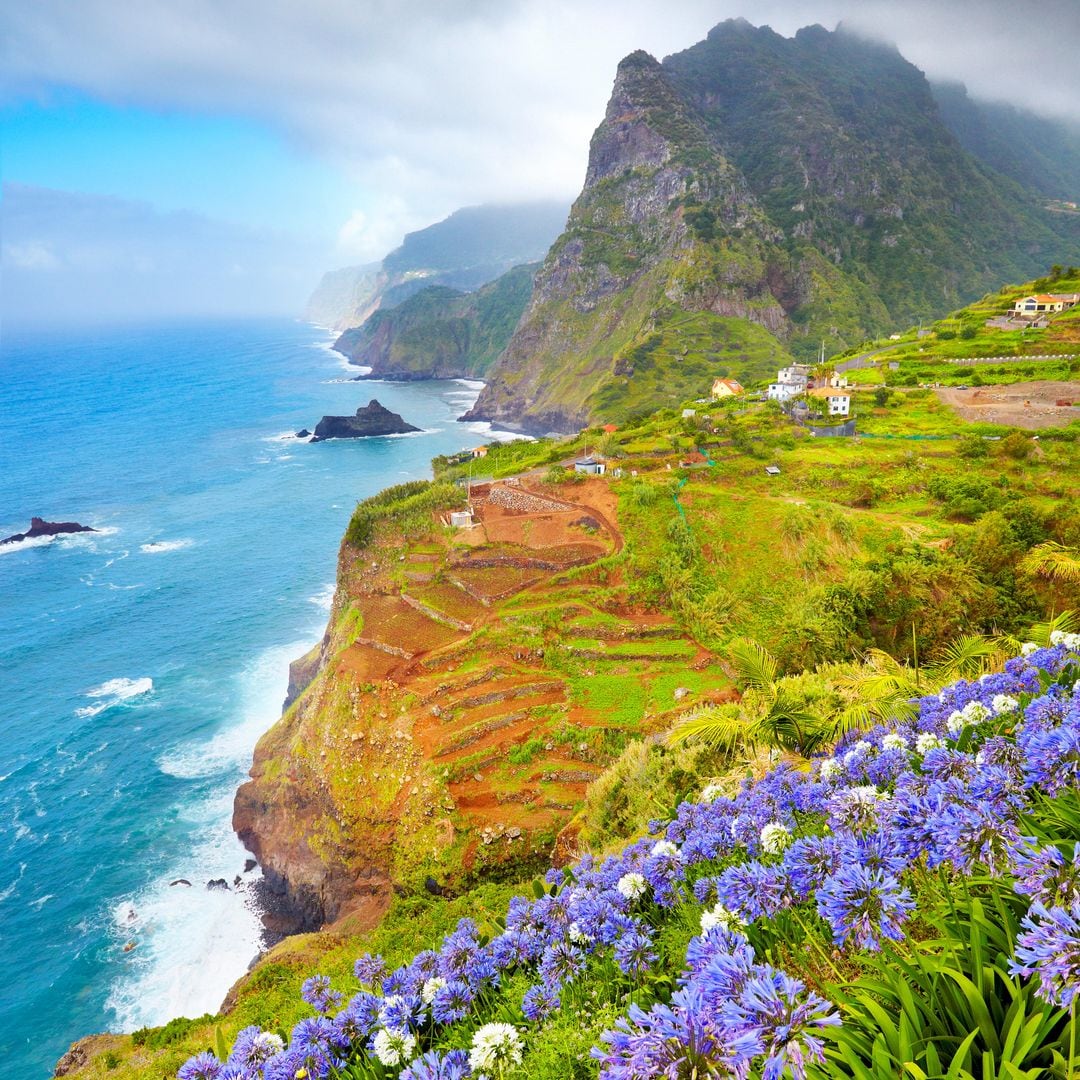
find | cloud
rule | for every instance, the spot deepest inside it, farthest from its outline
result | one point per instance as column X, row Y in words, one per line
column 32, row 255
column 438, row 103
column 70, row 257
column 428, row 105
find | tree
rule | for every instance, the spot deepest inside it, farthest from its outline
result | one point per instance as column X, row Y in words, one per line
column 881, row 396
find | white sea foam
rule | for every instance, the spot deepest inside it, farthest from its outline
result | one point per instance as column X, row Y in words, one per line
column 189, row 945
column 114, row 692
column 159, row 547
column 324, row 598
column 264, row 684
column 483, row 427
column 41, row 901
column 23, row 545
column 473, row 384
column 9, row 891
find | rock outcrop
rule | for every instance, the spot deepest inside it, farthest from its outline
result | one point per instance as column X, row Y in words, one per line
column 370, row 420
column 40, row 527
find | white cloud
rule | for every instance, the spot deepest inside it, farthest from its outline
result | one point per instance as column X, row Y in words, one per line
column 30, row 255
column 432, row 104
column 112, row 258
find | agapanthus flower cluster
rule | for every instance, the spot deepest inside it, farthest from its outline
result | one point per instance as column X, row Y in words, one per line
column 947, row 789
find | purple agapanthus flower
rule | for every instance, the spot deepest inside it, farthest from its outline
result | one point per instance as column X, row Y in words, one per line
column 863, row 904
column 203, row 1066
column 454, row 1065
column 318, row 993
column 540, row 1002
column 634, row 952
column 369, row 969
column 1049, row 946
column 786, row 1018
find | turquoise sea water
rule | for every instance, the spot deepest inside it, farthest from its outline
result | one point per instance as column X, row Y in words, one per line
column 139, row 665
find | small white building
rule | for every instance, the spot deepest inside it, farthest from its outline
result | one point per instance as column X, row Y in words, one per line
column 461, row 519
column 785, row 389
column 1039, row 305
column 590, row 466
column 837, row 402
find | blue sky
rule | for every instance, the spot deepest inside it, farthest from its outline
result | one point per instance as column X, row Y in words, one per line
column 238, row 148
column 227, row 167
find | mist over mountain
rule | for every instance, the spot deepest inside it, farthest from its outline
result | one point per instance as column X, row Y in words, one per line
column 471, row 247
column 755, row 195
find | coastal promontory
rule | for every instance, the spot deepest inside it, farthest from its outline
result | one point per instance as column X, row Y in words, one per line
column 370, row 420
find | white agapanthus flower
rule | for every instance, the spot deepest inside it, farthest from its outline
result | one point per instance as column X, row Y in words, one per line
column 1003, row 703
column 857, row 751
column 710, row 793
column 393, row 1047
column 894, row 741
column 775, row 837
column 720, row 916
column 1028, row 648
column 829, row 769
column 867, row 795
column 577, row 935
column 1060, row 637
column 665, row 847
column 493, row 1045
column 431, row 988
column 928, row 741
column 264, row 1046
column 388, row 1004
column 954, row 722
column 632, row 885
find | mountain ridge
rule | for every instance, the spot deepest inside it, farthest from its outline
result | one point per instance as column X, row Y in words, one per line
column 807, row 185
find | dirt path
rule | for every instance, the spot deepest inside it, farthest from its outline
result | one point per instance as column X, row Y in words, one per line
column 1030, row 405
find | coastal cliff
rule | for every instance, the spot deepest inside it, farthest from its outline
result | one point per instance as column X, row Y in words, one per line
column 398, row 765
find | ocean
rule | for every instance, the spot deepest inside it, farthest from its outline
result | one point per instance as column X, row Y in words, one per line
column 140, row 663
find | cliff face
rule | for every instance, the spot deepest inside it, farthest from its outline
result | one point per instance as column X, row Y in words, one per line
column 805, row 189
column 441, row 333
column 629, row 252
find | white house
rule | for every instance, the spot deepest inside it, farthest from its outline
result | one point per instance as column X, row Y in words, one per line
column 837, row 402
column 590, row 466
column 1039, row 305
column 785, row 389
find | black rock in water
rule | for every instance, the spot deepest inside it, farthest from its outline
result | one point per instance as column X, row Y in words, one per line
column 217, row 883
column 179, row 881
column 40, row 527
column 249, row 865
column 371, row 420
column 303, row 433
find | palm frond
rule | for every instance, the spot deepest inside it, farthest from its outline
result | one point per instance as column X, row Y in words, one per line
column 721, row 728
column 962, row 658
column 1052, row 562
column 753, row 663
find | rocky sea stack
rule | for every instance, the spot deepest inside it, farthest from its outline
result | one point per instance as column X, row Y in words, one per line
column 41, row 527
column 370, row 420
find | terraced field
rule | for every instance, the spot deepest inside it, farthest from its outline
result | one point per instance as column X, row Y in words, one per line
column 517, row 675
